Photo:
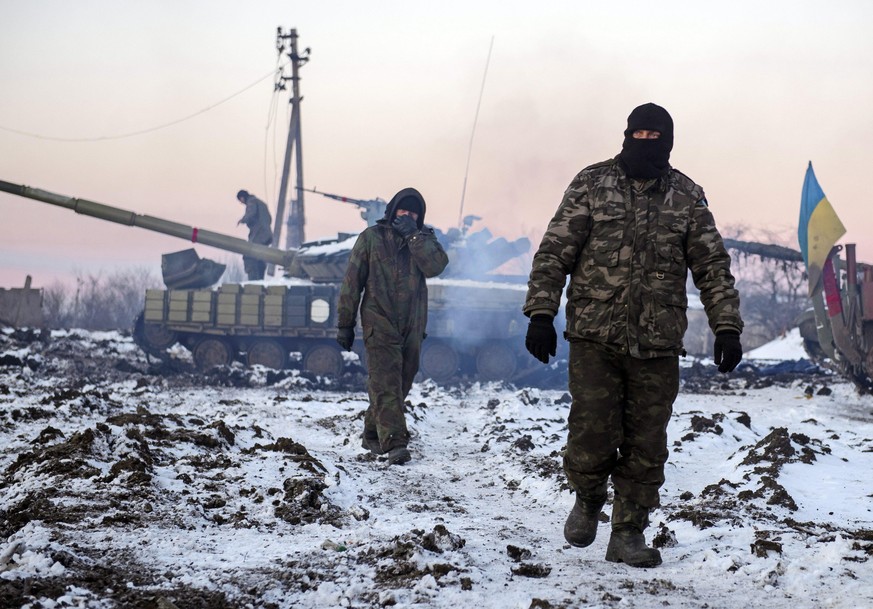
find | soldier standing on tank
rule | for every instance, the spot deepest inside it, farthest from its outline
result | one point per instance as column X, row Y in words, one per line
column 626, row 232
column 386, row 278
column 259, row 221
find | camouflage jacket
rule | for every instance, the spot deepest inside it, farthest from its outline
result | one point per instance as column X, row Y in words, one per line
column 386, row 277
column 259, row 221
column 627, row 246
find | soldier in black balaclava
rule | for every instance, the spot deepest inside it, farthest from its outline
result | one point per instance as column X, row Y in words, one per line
column 385, row 282
column 627, row 232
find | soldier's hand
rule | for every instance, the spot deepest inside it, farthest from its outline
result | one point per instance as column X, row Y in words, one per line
column 405, row 225
column 345, row 337
column 728, row 350
column 541, row 339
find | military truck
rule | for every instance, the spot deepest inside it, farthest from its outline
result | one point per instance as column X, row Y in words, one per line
column 475, row 325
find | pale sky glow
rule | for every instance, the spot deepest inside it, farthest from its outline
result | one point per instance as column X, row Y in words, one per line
column 756, row 90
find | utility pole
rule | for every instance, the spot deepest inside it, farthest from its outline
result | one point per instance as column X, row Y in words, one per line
column 287, row 44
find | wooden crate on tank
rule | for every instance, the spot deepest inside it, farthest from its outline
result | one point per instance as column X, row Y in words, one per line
column 179, row 305
column 250, row 308
column 274, row 305
column 226, row 307
column 155, row 305
column 202, row 306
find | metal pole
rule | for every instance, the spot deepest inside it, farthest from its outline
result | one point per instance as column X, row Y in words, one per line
column 300, row 224
column 283, row 187
column 297, row 238
column 295, row 212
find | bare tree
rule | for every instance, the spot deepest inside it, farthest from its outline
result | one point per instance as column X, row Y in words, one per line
column 56, row 305
column 98, row 302
column 772, row 292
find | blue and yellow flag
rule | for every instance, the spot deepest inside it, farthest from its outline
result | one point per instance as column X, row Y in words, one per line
column 818, row 230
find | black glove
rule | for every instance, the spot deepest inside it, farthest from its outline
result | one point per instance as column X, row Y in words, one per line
column 345, row 337
column 728, row 350
column 541, row 339
column 405, row 225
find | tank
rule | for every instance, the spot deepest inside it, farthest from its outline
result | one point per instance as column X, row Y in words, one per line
column 475, row 325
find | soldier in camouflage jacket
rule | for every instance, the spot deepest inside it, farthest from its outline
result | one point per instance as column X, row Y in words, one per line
column 257, row 218
column 386, row 278
column 627, row 232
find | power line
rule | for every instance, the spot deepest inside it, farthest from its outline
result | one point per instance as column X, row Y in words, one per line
column 141, row 131
column 271, row 116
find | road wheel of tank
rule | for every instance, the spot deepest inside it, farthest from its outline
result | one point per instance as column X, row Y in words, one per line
column 496, row 361
column 439, row 361
column 154, row 339
column 267, row 352
column 324, row 359
column 210, row 352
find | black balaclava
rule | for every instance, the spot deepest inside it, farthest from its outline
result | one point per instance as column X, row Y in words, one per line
column 646, row 159
column 409, row 199
column 409, row 203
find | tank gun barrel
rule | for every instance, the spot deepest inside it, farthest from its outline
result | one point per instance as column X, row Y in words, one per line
column 337, row 197
column 371, row 210
column 765, row 250
column 159, row 225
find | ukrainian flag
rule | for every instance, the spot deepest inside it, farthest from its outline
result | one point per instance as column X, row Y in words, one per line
column 818, row 230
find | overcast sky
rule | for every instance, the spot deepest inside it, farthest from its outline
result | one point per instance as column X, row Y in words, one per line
column 756, row 90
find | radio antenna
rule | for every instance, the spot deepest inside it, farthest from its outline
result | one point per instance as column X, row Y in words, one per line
column 473, row 134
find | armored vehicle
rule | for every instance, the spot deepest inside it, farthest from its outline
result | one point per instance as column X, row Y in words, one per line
column 837, row 330
column 475, row 325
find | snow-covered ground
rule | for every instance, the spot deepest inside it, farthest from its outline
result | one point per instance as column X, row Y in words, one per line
column 783, row 348
column 124, row 484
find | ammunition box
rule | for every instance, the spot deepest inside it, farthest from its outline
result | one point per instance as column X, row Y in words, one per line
column 201, row 308
column 155, row 306
column 226, row 308
column 178, row 306
column 273, row 308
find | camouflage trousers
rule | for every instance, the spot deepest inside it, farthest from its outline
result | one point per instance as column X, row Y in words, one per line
column 618, row 421
column 392, row 363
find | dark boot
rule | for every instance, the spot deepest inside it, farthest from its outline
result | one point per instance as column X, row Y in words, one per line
column 398, row 456
column 370, row 441
column 581, row 526
column 627, row 543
